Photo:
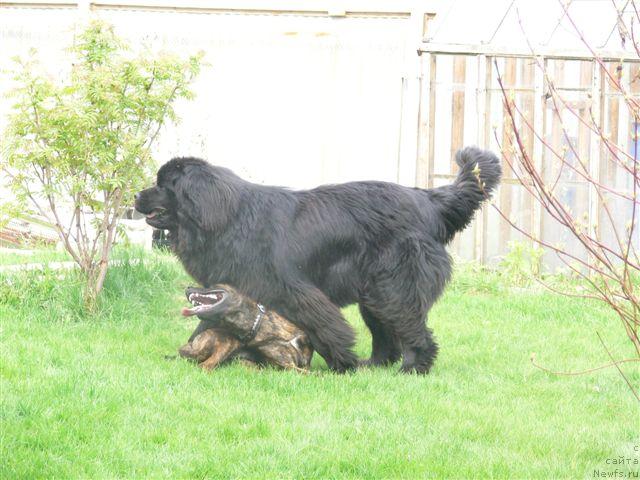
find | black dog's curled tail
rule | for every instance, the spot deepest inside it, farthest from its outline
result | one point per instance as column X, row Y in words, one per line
column 478, row 175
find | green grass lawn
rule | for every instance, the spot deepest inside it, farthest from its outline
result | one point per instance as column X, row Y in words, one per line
column 42, row 255
column 50, row 254
column 91, row 396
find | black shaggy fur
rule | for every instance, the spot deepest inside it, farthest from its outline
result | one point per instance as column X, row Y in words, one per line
column 306, row 253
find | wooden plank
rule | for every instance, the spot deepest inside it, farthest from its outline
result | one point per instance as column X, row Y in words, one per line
column 457, row 108
column 426, row 123
column 539, row 150
column 427, row 21
column 528, row 100
column 632, row 125
column 457, row 125
column 608, row 167
column 634, row 83
column 432, row 120
column 487, row 142
column 506, row 51
column 357, row 8
column 555, row 70
column 483, row 100
column 413, row 75
column 488, row 93
column 39, row 4
column 584, row 140
column 508, row 80
column 625, row 120
column 553, row 166
column 634, row 88
column 424, row 97
column 596, row 151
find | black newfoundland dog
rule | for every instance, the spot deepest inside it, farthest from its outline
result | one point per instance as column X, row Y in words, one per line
column 306, row 253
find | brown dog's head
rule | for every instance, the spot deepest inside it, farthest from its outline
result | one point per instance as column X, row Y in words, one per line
column 211, row 304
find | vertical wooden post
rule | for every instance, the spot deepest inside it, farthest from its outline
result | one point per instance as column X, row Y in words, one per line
column 528, row 100
column 584, row 138
column 483, row 102
column 509, row 80
column 426, row 115
column 457, row 106
column 632, row 123
column 556, row 124
column 432, row 120
column 409, row 128
column 457, row 121
column 631, row 82
column 596, row 156
column 540, row 126
column 607, row 169
column 633, row 129
column 424, row 140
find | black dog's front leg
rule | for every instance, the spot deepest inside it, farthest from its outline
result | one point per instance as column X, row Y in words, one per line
column 330, row 334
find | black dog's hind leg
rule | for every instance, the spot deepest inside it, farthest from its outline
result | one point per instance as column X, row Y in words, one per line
column 408, row 281
column 385, row 347
column 330, row 334
column 419, row 350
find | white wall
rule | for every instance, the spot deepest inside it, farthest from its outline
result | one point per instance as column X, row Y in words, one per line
column 296, row 100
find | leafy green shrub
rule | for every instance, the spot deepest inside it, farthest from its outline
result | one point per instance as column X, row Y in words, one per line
column 78, row 150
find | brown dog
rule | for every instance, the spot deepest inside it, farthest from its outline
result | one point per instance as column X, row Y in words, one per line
column 234, row 326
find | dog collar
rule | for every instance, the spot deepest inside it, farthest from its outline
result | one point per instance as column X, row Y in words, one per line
column 256, row 324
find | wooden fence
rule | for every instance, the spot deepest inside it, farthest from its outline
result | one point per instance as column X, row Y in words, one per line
column 299, row 94
column 461, row 103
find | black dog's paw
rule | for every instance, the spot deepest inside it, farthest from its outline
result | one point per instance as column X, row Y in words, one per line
column 347, row 362
column 420, row 367
column 376, row 362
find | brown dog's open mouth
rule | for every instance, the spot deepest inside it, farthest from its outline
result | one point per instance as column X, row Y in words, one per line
column 203, row 302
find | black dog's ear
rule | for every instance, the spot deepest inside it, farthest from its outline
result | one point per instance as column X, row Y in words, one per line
column 205, row 198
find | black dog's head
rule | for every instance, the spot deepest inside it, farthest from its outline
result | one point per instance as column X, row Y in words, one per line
column 159, row 205
column 189, row 189
column 211, row 304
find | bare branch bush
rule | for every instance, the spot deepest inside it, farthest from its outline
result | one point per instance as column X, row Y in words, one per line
column 607, row 259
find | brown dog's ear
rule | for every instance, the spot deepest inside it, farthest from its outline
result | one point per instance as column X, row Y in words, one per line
column 205, row 198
